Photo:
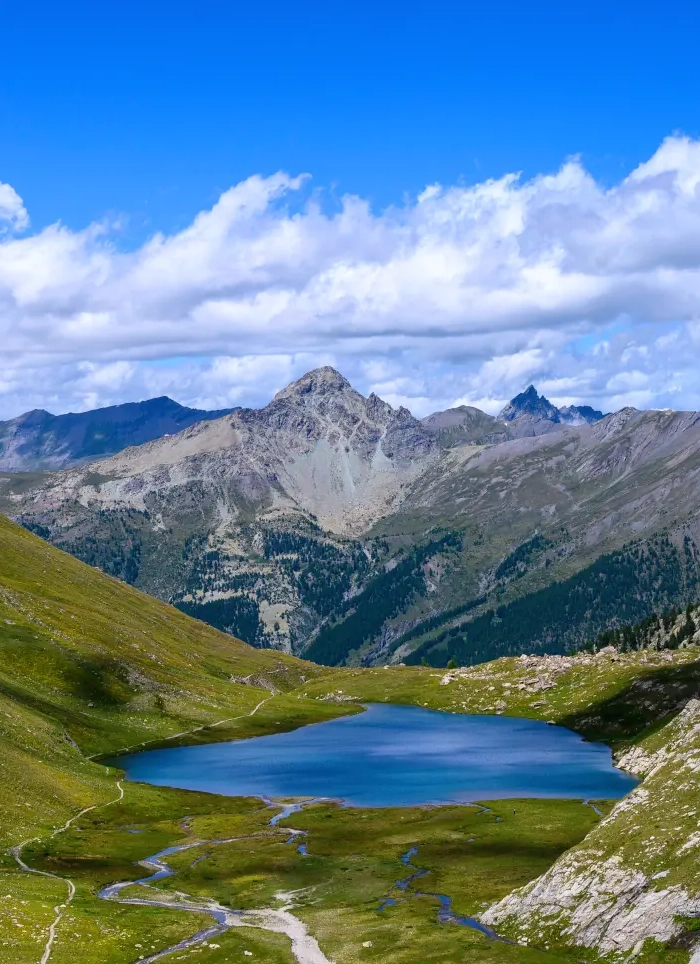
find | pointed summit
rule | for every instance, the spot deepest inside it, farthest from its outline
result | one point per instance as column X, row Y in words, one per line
column 529, row 403
column 319, row 381
column 530, row 407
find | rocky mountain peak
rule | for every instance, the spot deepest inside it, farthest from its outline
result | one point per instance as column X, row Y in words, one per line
column 319, row 381
column 323, row 405
column 532, row 407
column 530, row 403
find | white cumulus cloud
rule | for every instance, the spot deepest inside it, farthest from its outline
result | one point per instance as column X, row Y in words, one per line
column 13, row 214
column 464, row 293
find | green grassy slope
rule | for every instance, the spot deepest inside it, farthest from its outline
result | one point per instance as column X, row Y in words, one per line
column 89, row 665
column 617, row 698
column 353, row 863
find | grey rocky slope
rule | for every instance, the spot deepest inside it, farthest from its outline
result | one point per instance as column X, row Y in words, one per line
column 204, row 515
column 624, row 889
column 540, row 509
column 331, row 520
column 39, row 440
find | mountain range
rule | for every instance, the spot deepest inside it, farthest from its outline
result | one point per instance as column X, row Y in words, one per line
column 336, row 526
column 525, row 415
column 39, row 440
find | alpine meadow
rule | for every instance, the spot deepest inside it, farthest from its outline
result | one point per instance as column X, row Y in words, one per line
column 349, row 483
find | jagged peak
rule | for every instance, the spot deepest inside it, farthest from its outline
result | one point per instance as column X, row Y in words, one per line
column 535, row 406
column 319, row 381
column 529, row 402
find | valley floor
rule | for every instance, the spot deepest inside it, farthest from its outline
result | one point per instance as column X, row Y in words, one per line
column 351, row 865
column 337, row 886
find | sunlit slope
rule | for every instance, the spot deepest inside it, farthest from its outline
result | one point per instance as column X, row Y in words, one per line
column 89, row 665
column 618, row 698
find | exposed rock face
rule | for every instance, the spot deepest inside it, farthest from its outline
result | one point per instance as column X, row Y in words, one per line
column 529, row 403
column 39, row 440
column 323, row 405
column 319, row 448
column 637, row 874
column 188, row 517
column 193, row 515
column 533, row 414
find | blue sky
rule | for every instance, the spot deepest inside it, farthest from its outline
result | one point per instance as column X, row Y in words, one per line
column 152, row 109
column 138, row 117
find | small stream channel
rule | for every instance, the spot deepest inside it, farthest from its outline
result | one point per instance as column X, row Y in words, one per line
column 304, row 947
column 386, row 756
column 445, row 914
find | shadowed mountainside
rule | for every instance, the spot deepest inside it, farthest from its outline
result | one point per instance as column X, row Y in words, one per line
column 89, row 664
column 39, row 440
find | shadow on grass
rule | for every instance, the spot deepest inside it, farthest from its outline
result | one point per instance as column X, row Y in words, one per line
column 638, row 710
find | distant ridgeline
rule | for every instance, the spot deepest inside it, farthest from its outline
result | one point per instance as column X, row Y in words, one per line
column 336, row 527
column 619, row 588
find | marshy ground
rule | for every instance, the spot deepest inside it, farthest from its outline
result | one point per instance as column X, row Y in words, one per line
column 351, row 865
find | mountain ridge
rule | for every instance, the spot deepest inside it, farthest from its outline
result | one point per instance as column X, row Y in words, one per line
column 526, row 414
column 333, row 522
column 38, row 440
column 529, row 404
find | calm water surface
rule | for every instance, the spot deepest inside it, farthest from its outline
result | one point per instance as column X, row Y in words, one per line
column 394, row 756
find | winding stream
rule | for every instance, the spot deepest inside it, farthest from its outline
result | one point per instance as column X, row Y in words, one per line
column 305, row 948
column 445, row 913
column 387, row 756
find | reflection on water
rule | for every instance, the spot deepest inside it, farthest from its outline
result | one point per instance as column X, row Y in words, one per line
column 394, row 756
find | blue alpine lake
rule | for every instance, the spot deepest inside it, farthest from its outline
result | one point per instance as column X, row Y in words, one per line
column 394, row 756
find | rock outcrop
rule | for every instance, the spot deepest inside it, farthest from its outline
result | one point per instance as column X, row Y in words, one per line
column 636, row 876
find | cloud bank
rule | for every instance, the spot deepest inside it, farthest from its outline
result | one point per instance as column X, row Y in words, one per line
column 462, row 294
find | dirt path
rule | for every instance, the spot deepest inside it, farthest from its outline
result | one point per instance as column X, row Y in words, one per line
column 60, row 909
column 196, row 729
column 16, row 851
column 280, row 920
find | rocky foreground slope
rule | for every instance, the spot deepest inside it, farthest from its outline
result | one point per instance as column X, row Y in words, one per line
column 635, row 879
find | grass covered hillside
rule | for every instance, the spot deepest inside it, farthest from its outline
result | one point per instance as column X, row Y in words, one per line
column 89, row 665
